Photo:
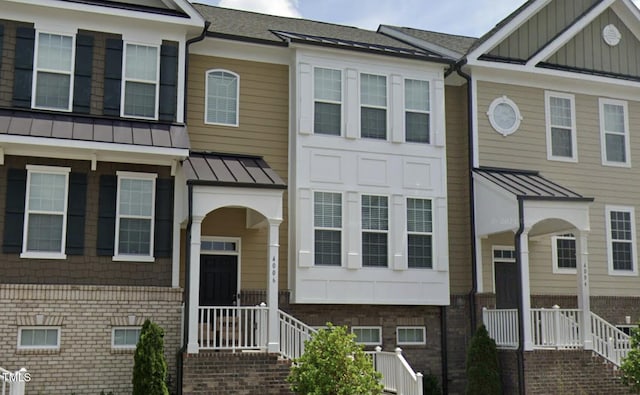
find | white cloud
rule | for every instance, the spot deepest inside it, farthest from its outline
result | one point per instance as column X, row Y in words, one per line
column 287, row 8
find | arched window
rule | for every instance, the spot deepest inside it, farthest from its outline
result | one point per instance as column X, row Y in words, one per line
column 221, row 98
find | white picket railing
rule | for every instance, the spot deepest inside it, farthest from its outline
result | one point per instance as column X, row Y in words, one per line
column 609, row 341
column 232, row 327
column 13, row 381
column 397, row 374
column 502, row 325
column 293, row 334
column 556, row 328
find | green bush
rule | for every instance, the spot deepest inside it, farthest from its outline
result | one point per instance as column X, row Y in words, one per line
column 150, row 367
column 431, row 385
column 631, row 363
column 334, row 364
column 483, row 371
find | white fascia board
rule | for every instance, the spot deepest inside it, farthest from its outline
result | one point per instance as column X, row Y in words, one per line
column 629, row 14
column 552, row 46
column 241, row 50
column 507, row 29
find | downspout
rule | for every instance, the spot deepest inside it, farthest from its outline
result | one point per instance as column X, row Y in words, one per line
column 186, row 61
column 444, row 358
column 521, row 381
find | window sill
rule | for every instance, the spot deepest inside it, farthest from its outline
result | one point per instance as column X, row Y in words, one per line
column 616, row 164
column 43, row 255
column 35, row 350
column 562, row 159
column 623, row 273
column 565, row 271
column 133, row 258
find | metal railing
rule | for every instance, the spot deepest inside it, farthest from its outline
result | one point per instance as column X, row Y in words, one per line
column 397, row 374
column 556, row 328
column 609, row 341
column 293, row 334
column 502, row 325
column 232, row 327
column 14, row 382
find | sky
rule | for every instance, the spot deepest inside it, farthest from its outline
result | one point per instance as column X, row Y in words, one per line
column 464, row 17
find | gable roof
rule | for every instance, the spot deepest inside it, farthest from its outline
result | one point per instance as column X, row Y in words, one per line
column 447, row 44
column 277, row 30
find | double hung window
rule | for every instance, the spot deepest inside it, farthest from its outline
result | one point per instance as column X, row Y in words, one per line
column 223, row 88
column 327, row 101
column 53, row 71
column 375, row 226
column 140, row 82
column 327, row 228
column 135, row 216
column 417, row 111
column 561, row 126
column 420, row 233
column 373, row 106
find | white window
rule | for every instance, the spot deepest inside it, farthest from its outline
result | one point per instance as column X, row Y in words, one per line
column 375, row 226
column 411, row 335
column 53, row 71
column 327, row 222
column 561, row 126
column 45, row 214
column 39, row 337
column 327, row 107
column 504, row 115
column 222, row 98
column 140, row 83
column 368, row 335
column 373, row 109
column 417, row 114
column 419, row 233
column 125, row 337
column 621, row 240
column 563, row 253
column 614, row 132
column 134, row 216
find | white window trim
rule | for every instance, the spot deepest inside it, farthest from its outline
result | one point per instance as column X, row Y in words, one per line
column 634, row 255
column 603, row 132
column 341, row 230
column 386, row 107
column 126, row 257
column 71, row 73
column 406, row 212
column 554, row 255
column 236, row 253
column 56, row 347
column 429, row 112
column 206, row 98
column 505, row 260
column 125, row 80
column 45, row 254
column 341, row 102
column 574, row 142
column 409, row 343
column 378, row 328
column 123, row 346
column 491, row 114
column 386, row 232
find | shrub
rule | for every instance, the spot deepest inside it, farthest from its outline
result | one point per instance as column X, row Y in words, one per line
column 150, row 367
column 334, row 364
column 631, row 363
column 483, row 372
column 431, row 385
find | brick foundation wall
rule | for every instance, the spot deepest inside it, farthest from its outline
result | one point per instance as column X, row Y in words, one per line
column 85, row 363
column 235, row 373
column 458, row 337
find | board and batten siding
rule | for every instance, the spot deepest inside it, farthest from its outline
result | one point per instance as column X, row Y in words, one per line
column 263, row 131
column 526, row 149
column 458, row 189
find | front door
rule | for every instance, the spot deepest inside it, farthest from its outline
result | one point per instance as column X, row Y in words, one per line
column 506, row 278
column 218, row 280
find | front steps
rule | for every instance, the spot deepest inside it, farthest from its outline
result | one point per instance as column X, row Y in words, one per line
column 240, row 373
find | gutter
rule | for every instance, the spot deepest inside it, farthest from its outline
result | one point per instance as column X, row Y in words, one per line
column 521, row 381
column 190, row 41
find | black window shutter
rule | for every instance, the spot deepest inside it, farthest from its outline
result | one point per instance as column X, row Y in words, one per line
column 14, row 210
column 107, row 215
column 163, row 240
column 76, row 208
column 168, row 82
column 23, row 67
column 112, row 76
column 1, row 43
column 83, row 71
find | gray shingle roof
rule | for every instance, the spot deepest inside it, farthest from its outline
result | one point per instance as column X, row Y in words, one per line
column 452, row 42
column 206, row 168
column 251, row 26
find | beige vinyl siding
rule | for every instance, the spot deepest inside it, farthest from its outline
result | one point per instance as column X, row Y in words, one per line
column 263, row 131
column 526, row 149
column 540, row 29
column 458, row 189
column 587, row 50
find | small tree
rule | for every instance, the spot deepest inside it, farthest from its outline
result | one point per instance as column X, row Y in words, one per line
column 334, row 364
column 150, row 367
column 631, row 363
column 483, row 372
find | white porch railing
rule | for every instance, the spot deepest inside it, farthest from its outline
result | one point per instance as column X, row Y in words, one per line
column 502, row 325
column 293, row 334
column 397, row 376
column 232, row 327
column 609, row 341
column 556, row 328
column 14, row 382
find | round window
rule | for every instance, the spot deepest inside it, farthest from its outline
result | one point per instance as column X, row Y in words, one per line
column 504, row 115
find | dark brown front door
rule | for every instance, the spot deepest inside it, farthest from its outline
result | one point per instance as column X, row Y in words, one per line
column 506, row 285
column 218, row 280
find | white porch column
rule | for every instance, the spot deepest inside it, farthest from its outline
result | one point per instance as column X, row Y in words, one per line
column 582, row 265
column 526, row 290
column 194, row 284
column 273, row 337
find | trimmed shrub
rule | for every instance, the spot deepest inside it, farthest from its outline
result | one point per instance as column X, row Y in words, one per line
column 630, row 368
column 483, row 371
column 150, row 367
